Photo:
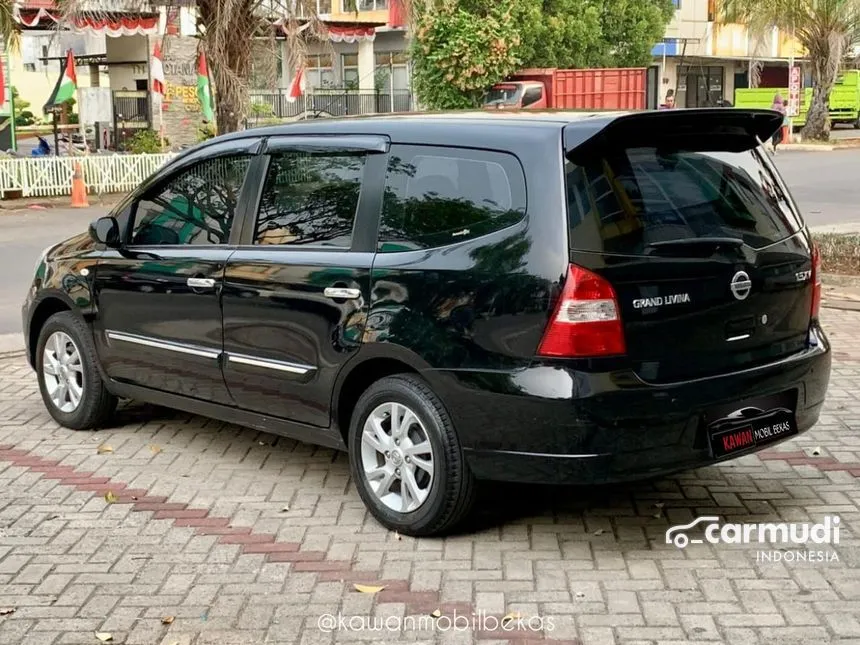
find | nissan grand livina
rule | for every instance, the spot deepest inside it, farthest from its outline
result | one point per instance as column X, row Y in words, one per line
column 547, row 297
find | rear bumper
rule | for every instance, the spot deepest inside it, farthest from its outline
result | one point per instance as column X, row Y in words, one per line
column 547, row 424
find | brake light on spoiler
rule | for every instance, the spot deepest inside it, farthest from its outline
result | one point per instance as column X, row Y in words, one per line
column 586, row 321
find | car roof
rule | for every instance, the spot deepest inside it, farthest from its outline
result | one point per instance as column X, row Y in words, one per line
column 473, row 128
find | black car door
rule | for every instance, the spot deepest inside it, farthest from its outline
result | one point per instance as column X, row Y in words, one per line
column 158, row 322
column 297, row 291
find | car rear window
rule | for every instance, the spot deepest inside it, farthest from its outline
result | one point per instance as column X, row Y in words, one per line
column 435, row 196
column 626, row 199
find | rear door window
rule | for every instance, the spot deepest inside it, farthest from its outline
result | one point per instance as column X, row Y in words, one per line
column 310, row 199
column 438, row 196
column 628, row 199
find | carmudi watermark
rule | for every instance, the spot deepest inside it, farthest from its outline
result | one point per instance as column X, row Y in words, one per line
column 790, row 541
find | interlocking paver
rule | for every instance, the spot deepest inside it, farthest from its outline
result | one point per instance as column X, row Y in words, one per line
column 242, row 537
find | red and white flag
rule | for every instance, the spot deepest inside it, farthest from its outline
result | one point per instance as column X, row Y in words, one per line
column 157, row 67
column 297, row 87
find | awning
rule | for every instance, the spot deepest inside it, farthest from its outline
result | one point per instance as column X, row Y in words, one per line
column 112, row 26
column 340, row 34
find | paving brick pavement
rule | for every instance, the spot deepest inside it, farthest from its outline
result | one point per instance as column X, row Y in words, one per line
column 245, row 538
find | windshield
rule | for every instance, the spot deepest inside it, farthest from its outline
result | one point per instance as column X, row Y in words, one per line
column 503, row 95
column 629, row 199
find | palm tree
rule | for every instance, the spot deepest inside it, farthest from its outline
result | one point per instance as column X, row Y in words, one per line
column 827, row 29
column 8, row 26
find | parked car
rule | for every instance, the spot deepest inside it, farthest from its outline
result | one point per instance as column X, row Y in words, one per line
column 557, row 298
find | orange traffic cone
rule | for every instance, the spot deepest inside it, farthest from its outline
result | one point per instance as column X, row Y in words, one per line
column 79, row 189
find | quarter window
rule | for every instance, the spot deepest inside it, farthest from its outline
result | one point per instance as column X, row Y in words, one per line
column 439, row 196
column 310, row 199
column 197, row 206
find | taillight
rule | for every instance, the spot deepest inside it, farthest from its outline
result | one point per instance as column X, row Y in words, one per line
column 586, row 321
column 816, row 281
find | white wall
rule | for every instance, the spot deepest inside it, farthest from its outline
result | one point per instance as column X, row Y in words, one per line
column 127, row 49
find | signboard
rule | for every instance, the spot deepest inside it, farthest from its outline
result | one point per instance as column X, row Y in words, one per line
column 94, row 105
column 794, row 91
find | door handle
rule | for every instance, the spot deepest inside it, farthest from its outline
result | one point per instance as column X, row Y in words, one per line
column 342, row 293
column 200, row 283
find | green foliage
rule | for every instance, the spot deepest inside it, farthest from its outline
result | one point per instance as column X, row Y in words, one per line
column 145, row 142
column 457, row 54
column 466, row 46
column 23, row 116
column 205, row 132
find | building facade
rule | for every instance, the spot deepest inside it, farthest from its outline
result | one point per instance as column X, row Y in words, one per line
column 704, row 61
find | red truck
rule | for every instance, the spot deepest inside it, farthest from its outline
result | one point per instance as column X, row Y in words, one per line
column 571, row 89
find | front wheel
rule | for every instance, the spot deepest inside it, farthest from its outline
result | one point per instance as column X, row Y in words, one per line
column 406, row 458
column 69, row 378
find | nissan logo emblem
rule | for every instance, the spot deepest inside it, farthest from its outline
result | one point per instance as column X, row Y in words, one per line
column 741, row 285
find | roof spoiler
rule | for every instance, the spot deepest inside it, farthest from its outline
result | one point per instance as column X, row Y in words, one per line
column 727, row 129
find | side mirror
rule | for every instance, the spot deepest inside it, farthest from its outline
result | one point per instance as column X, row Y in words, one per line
column 105, row 230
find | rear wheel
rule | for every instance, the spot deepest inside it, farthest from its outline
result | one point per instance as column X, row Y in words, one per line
column 406, row 458
column 69, row 378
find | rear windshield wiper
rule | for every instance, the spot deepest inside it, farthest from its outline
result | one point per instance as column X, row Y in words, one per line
column 696, row 241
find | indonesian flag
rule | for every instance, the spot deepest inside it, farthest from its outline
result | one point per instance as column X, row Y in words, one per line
column 157, row 67
column 66, row 85
column 297, row 87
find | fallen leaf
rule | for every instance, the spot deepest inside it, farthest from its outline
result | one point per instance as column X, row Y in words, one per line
column 154, row 449
column 514, row 615
column 816, row 451
column 368, row 588
column 104, row 449
column 110, row 498
column 104, row 637
column 167, row 620
column 7, row 611
column 436, row 613
column 599, row 532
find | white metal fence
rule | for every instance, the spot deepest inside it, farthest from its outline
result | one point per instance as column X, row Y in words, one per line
column 52, row 176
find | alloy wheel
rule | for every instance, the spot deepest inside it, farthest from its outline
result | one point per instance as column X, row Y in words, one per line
column 63, row 372
column 397, row 457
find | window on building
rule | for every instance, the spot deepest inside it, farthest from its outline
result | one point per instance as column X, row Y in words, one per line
column 702, row 85
column 323, row 7
column 438, row 196
column 196, row 206
column 392, row 71
column 363, row 5
column 349, row 65
column 310, row 199
column 319, row 71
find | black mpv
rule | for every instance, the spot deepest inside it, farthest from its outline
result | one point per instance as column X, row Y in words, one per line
column 546, row 297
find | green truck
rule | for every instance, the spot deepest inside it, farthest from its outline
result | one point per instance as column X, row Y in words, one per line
column 844, row 100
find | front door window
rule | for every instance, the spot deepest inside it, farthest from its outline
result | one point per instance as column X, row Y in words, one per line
column 195, row 207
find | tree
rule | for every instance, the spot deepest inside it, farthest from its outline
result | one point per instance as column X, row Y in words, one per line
column 8, row 26
column 458, row 52
column 23, row 116
column 827, row 29
column 535, row 33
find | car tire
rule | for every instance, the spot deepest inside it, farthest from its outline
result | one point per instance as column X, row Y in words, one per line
column 66, row 358
column 444, row 499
